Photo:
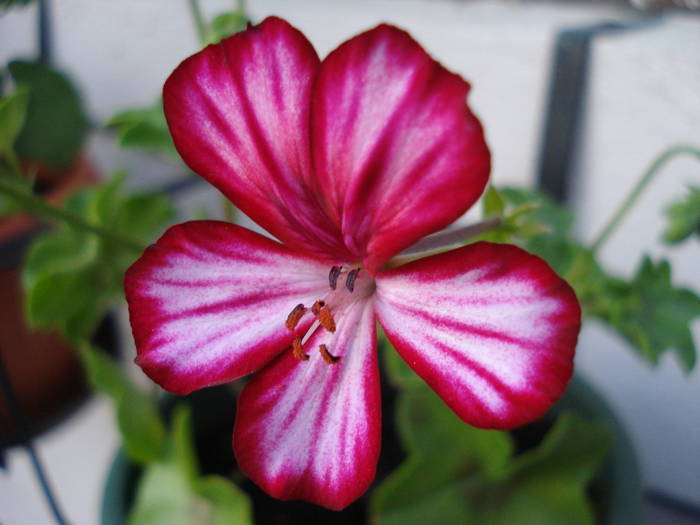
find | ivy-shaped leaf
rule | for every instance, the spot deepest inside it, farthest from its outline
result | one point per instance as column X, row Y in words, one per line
column 64, row 263
column 683, row 217
column 144, row 129
column 652, row 314
column 455, row 473
column 138, row 420
column 172, row 492
column 227, row 24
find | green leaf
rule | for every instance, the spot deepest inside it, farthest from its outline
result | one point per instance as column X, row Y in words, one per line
column 525, row 214
column 57, row 271
column 683, row 217
column 13, row 109
column 542, row 209
column 138, row 419
column 227, row 24
column 652, row 314
column 140, row 425
column 71, row 278
column 144, row 129
column 20, row 184
column 228, row 503
column 400, row 374
column 171, row 491
column 142, row 215
column 493, row 203
column 546, row 485
column 441, row 451
column 56, row 124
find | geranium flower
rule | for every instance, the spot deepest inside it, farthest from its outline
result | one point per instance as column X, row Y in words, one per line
column 346, row 162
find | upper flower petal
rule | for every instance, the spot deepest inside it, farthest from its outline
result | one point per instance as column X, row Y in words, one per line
column 491, row 328
column 311, row 430
column 208, row 303
column 239, row 115
column 397, row 152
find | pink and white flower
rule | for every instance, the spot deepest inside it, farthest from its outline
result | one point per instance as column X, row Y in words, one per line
column 347, row 162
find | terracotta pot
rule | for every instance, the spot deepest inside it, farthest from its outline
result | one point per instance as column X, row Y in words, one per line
column 45, row 371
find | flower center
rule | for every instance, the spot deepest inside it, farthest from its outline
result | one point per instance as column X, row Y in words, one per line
column 342, row 283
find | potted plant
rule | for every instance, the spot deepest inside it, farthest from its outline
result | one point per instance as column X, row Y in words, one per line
column 572, row 463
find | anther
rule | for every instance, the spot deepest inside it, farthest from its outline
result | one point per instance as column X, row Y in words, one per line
column 325, row 317
column 298, row 350
column 350, row 280
column 294, row 316
column 333, row 276
column 327, row 356
column 316, row 307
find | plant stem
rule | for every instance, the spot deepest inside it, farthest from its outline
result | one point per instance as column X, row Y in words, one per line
column 37, row 206
column 17, row 417
column 199, row 23
column 631, row 199
column 440, row 241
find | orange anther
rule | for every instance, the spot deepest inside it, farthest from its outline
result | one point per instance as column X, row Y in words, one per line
column 316, row 308
column 325, row 317
column 298, row 350
column 327, row 356
column 294, row 316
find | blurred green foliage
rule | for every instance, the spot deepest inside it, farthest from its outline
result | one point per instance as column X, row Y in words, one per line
column 455, row 473
column 144, row 129
column 172, row 492
column 683, row 217
column 72, row 277
column 647, row 310
column 55, row 124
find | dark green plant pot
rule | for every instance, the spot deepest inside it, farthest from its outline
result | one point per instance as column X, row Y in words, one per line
column 616, row 491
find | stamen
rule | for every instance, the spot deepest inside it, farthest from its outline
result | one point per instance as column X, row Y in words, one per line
column 298, row 350
column 333, row 276
column 327, row 356
column 294, row 316
column 316, row 308
column 325, row 317
column 350, row 280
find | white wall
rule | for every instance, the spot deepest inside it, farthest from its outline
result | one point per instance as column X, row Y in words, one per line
column 644, row 96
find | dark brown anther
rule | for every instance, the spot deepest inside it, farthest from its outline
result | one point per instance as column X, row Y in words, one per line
column 316, row 308
column 333, row 276
column 350, row 280
column 298, row 350
column 325, row 317
column 294, row 316
column 327, row 356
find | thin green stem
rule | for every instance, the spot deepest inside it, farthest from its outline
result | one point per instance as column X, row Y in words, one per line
column 13, row 161
column 440, row 241
column 38, row 207
column 651, row 172
column 199, row 23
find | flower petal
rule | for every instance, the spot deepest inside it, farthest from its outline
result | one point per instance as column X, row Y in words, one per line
column 208, row 303
column 398, row 154
column 239, row 115
column 491, row 328
column 311, row 430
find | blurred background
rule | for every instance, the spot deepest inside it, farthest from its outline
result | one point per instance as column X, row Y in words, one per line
column 640, row 93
